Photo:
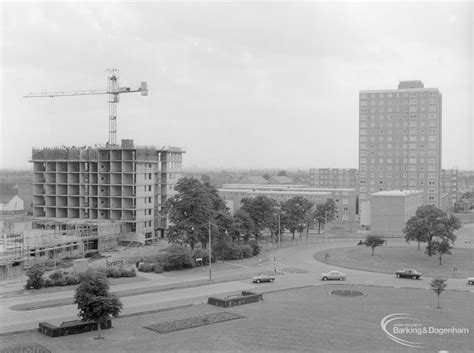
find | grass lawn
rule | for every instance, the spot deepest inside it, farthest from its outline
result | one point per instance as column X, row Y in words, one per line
column 299, row 320
column 388, row 259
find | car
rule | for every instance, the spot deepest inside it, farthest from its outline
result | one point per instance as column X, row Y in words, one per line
column 470, row 280
column 263, row 278
column 333, row 275
column 408, row 273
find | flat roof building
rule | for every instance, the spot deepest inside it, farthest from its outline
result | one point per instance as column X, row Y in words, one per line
column 345, row 199
column 400, row 141
column 123, row 183
column 389, row 211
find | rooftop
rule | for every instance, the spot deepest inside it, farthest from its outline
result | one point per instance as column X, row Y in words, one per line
column 397, row 193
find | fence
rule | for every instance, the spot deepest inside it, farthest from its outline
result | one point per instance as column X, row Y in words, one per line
column 312, row 239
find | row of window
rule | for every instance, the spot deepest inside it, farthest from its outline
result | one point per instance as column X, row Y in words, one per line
column 411, row 109
column 398, row 94
column 364, row 167
column 397, row 117
column 363, row 160
column 412, row 101
column 363, row 175
column 412, row 131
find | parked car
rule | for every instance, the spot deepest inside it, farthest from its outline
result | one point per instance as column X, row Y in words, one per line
column 408, row 273
column 263, row 278
column 470, row 280
column 333, row 275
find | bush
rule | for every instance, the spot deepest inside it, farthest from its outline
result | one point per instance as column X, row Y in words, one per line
column 56, row 275
column 72, row 280
column 35, row 278
column 201, row 254
column 158, row 268
column 146, row 267
column 247, row 251
column 48, row 282
column 113, row 272
column 60, row 282
column 255, row 248
column 127, row 273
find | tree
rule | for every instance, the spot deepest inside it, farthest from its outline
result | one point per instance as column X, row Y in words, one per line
column 373, row 241
column 94, row 301
column 282, row 173
column 438, row 285
column 439, row 248
column 295, row 214
column 190, row 211
column 429, row 222
column 35, row 278
column 325, row 213
column 242, row 225
column 261, row 211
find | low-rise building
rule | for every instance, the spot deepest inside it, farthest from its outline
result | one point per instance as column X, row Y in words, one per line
column 391, row 209
column 345, row 199
column 333, row 178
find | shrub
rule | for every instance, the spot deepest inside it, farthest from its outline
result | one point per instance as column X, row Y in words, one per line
column 48, row 282
column 247, row 251
column 178, row 261
column 201, row 253
column 158, row 268
column 56, row 275
column 255, row 248
column 113, row 272
column 35, row 278
column 60, row 282
column 162, row 259
column 127, row 273
column 146, row 267
column 72, row 280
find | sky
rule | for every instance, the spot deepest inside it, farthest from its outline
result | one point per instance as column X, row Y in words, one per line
column 239, row 85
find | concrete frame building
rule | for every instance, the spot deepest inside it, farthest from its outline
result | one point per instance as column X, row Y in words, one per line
column 390, row 210
column 123, row 183
column 400, row 141
column 333, row 178
column 345, row 199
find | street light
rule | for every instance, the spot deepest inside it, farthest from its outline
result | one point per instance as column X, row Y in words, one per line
column 210, row 260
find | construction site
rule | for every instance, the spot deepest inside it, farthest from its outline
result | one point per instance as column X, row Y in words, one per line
column 28, row 241
column 92, row 199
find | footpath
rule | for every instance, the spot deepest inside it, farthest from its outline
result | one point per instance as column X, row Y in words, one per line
column 22, row 310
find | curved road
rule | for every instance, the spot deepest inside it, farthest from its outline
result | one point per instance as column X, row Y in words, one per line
column 291, row 259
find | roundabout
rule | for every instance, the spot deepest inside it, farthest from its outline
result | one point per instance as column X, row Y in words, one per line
column 388, row 259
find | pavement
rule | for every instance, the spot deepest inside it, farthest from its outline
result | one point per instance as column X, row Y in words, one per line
column 296, row 268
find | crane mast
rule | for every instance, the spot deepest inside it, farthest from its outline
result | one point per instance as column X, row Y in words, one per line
column 113, row 90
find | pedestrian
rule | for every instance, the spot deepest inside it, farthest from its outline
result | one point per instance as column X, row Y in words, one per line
column 455, row 269
column 326, row 256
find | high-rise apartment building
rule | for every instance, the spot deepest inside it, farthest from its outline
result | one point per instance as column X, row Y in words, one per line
column 125, row 183
column 400, row 141
column 333, row 178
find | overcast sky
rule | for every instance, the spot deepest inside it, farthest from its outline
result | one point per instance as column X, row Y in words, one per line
column 238, row 85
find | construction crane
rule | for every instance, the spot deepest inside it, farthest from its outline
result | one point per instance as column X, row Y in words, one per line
column 113, row 90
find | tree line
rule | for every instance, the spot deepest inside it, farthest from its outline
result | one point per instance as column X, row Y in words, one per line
column 197, row 209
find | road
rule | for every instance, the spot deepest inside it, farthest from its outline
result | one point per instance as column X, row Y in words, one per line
column 301, row 269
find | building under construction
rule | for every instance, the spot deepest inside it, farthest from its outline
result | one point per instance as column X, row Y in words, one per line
column 123, row 183
column 27, row 241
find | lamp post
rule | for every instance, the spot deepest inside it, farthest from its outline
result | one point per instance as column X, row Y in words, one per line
column 210, row 260
column 279, row 231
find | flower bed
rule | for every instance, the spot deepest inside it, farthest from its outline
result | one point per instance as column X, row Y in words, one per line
column 169, row 326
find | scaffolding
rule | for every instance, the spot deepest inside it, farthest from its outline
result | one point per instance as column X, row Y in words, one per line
column 53, row 239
